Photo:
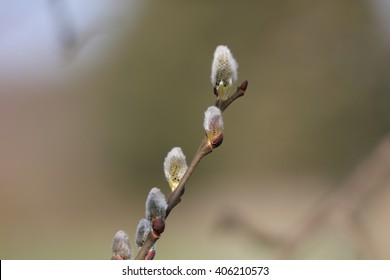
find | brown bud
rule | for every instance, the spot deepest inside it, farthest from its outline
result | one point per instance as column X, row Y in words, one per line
column 244, row 85
column 158, row 226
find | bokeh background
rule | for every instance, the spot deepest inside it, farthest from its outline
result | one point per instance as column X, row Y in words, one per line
column 94, row 93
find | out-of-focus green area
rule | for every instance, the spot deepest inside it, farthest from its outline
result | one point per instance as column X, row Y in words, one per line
column 79, row 152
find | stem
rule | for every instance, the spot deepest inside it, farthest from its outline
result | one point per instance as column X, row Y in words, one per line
column 149, row 242
column 204, row 149
column 175, row 197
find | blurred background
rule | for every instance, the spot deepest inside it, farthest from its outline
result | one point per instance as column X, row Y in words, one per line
column 94, row 93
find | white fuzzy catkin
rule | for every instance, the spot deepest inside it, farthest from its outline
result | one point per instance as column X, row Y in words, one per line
column 213, row 122
column 223, row 68
column 156, row 205
column 175, row 166
column 143, row 229
column 121, row 245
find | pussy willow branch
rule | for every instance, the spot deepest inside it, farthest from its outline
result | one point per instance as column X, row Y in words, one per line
column 204, row 149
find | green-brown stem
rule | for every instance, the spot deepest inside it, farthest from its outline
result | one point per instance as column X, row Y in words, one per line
column 204, row 149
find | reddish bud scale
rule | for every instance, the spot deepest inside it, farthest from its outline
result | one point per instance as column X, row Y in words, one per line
column 150, row 255
column 215, row 91
column 217, row 141
column 158, row 226
column 244, row 85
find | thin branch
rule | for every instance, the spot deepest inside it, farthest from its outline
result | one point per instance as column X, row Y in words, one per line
column 360, row 236
column 203, row 150
column 346, row 200
column 342, row 205
column 233, row 220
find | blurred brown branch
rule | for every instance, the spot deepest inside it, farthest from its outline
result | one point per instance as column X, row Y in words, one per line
column 341, row 205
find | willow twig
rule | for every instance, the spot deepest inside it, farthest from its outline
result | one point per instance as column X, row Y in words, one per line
column 203, row 150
